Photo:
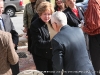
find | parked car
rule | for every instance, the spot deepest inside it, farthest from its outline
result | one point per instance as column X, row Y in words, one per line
column 83, row 4
column 12, row 6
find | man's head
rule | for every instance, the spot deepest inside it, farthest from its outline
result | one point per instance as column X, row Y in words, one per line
column 1, row 7
column 58, row 19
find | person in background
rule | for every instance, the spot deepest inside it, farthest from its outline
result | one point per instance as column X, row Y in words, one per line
column 75, row 14
column 36, row 5
column 7, row 25
column 7, row 53
column 29, row 12
column 41, row 44
column 59, row 5
column 92, row 28
column 69, row 48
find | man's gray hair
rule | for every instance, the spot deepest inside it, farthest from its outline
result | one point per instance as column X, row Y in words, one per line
column 59, row 17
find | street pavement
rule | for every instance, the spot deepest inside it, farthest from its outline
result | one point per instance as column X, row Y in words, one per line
column 26, row 63
column 18, row 22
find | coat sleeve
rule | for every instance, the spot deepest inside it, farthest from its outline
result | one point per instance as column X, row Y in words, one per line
column 12, row 55
column 14, row 34
column 25, row 17
column 57, row 57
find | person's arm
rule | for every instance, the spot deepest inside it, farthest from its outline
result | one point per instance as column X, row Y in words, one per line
column 57, row 57
column 14, row 34
column 12, row 55
column 37, row 38
column 25, row 17
column 25, row 20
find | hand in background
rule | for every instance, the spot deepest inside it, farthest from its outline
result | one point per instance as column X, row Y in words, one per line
column 25, row 30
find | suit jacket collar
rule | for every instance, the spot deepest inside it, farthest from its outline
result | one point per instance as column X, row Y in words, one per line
column 0, row 17
column 66, row 26
column 4, row 21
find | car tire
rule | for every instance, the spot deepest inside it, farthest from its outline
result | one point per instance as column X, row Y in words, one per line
column 10, row 11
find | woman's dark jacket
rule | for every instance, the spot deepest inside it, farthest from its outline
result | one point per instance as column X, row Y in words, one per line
column 72, row 19
column 41, row 44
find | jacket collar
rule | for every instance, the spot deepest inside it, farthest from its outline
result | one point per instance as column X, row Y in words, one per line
column 73, row 15
column 63, row 27
column 0, row 17
column 42, row 22
column 4, row 21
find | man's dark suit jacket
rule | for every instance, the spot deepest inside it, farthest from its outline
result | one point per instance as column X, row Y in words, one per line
column 9, row 27
column 70, row 53
column 72, row 20
column 41, row 43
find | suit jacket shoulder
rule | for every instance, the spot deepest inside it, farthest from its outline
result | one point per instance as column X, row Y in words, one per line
column 9, row 27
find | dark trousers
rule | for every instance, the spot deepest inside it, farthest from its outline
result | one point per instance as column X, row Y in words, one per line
column 15, row 69
column 29, row 40
column 43, row 64
column 94, row 47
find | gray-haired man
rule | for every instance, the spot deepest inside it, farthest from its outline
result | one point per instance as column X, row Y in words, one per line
column 69, row 48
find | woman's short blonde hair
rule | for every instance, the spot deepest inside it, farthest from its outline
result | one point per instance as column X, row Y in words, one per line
column 44, row 6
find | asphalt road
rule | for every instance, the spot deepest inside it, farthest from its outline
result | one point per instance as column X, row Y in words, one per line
column 18, row 22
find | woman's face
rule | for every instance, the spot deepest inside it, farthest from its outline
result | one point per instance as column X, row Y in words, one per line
column 59, row 2
column 70, row 3
column 46, row 16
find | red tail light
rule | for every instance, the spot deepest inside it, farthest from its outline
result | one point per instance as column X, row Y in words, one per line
column 21, row 3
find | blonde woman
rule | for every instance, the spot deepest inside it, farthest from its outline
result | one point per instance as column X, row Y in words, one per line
column 41, row 44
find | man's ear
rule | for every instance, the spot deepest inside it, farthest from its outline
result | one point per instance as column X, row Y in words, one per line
column 55, row 26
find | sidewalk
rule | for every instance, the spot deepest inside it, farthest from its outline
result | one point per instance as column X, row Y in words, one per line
column 25, row 63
